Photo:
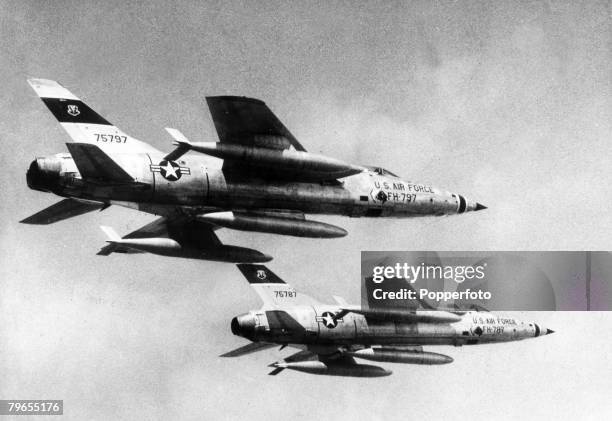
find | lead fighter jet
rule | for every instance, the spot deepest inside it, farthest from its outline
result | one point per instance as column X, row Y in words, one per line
column 331, row 336
column 267, row 181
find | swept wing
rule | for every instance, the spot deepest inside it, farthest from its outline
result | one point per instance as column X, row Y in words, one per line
column 255, row 144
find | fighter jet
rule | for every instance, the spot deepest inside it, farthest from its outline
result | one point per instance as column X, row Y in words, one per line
column 265, row 181
column 332, row 336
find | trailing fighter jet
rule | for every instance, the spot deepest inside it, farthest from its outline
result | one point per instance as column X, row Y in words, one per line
column 332, row 336
column 267, row 181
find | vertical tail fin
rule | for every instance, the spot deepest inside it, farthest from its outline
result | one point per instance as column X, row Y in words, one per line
column 82, row 123
column 273, row 291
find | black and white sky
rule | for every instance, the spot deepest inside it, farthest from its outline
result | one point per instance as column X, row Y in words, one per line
column 508, row 103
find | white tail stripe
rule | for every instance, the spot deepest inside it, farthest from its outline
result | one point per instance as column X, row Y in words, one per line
column 46, row 88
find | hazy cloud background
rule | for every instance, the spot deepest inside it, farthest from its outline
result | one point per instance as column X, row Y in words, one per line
column 508, row 103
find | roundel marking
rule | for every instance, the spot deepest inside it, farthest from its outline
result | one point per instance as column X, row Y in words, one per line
column 170, row 170
column 329, row 320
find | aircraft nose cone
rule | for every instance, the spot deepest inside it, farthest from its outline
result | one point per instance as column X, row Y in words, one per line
column 467, row 205
column 541, row 330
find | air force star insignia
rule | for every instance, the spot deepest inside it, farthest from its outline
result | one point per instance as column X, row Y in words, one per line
column 170, row 170
column 328, row 319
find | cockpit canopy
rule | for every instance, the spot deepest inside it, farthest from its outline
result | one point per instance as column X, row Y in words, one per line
column 382, row 171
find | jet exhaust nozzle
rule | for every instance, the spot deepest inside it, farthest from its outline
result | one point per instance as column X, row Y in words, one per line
column 243, row 325
column 43, row 174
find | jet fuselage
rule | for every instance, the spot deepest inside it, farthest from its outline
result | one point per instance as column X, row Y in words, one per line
column 190, row 183
column 258, row 177
column 312, row 325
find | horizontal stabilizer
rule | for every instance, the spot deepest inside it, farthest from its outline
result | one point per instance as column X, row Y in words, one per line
column 248, row 349
column 65, row 209
column 93, row 164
